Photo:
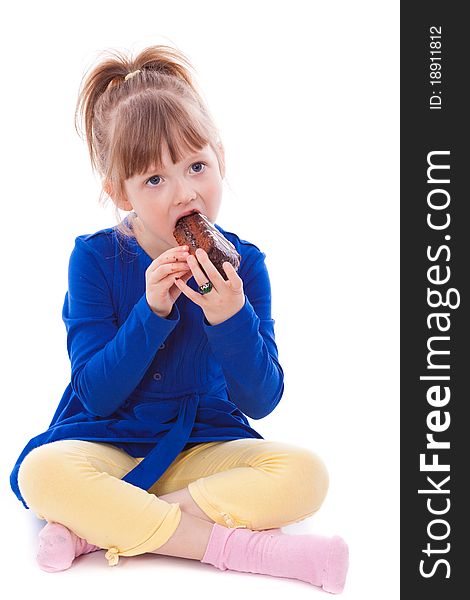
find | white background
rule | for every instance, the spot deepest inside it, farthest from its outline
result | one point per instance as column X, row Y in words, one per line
column 305, row 94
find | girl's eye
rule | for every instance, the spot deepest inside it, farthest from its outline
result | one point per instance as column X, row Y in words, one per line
column 199, row 163
column 155, row 179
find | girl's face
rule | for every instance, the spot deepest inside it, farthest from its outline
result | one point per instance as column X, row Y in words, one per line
column 162, row 196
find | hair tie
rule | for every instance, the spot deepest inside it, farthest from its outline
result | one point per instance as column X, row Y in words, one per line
column 130, row 75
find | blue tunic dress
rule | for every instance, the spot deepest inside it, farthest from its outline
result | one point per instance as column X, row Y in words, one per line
column 155, row 386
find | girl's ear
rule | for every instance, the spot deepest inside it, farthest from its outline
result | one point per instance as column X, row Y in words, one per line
column 107, row 188
column 121, row 204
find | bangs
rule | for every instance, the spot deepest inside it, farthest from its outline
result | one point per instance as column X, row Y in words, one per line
column 145, row 124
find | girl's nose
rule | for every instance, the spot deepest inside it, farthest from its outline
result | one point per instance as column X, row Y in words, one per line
column 184, row 192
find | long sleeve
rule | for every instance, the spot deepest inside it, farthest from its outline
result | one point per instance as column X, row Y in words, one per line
column 245, row 346
column 107, row 361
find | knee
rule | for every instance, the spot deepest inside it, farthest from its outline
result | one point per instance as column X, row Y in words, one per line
column 312, row 478
column 306, row 477
column 295, row 473
column 39, row 473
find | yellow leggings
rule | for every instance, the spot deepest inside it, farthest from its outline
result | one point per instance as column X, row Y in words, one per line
column 253, row 483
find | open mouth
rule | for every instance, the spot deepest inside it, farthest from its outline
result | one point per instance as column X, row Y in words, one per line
column 195, row 210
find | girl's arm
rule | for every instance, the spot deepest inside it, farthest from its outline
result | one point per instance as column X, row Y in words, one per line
column 246, row 348
column 107, row 361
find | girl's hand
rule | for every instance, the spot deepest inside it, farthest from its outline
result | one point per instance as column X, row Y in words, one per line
column 226, row 297
column 160, row 291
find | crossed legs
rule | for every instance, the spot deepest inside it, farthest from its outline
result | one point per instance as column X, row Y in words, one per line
column 192, row 535
column 235, row 492
column 249, row 483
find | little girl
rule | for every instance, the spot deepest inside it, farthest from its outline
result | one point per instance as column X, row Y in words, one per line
column 150, row 448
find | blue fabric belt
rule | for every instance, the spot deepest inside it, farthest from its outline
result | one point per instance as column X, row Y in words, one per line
column 161, row 426
column 152, row 467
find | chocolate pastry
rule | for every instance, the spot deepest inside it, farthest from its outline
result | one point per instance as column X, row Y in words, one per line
column 196, row 231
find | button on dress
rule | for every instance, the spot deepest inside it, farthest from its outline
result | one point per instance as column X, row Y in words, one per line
column 155, row 386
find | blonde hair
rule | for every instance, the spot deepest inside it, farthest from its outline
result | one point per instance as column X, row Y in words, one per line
column 129, row 119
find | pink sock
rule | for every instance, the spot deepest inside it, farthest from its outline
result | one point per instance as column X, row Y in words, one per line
column 58, row 547
column 318, row 560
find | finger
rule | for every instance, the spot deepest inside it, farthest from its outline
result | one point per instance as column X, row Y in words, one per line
column 189, row 292
column 173, row 253
column 167, row 269
column 214, row 276
column 164, row 270
column 198, row 273
column 233, row 278
column 185, row 277
column 179, row 254
column 164, row 285
column 174, row 290
column 175, row 257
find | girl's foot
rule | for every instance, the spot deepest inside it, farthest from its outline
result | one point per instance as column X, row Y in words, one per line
column 318, row 560
column 58, row 547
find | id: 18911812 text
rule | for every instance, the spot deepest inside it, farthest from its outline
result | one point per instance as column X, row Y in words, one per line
column 435, row 67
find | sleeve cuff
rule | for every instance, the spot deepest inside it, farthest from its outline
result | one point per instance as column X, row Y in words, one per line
column 241, row 325
column 153, row 321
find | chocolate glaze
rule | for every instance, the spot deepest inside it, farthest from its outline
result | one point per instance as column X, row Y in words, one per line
column 197, row 231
